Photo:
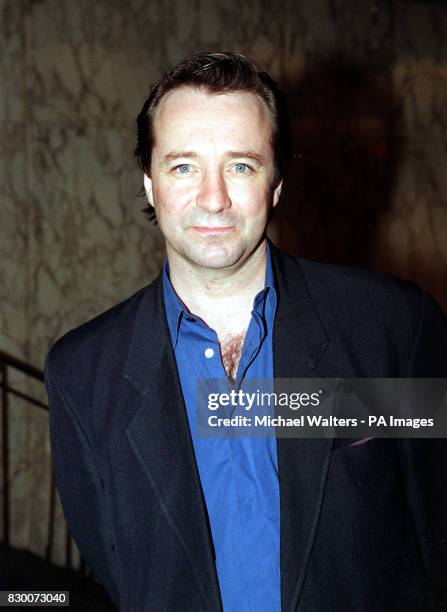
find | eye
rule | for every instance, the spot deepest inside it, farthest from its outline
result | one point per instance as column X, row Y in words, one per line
column 242, row 168
column 183, row 169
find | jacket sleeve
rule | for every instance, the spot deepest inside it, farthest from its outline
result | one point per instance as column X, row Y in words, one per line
column 80, row 485
column 424, row 461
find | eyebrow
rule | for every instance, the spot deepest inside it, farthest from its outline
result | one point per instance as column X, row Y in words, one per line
column 247, row 154
column 173, row 155
column 177, row 154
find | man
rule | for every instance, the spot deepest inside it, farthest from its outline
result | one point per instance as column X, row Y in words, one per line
column 170, row 521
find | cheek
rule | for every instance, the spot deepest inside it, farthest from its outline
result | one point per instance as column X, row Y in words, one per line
column 251, row 198
column 170, row 198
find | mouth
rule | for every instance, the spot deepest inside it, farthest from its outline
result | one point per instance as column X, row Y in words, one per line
column 211, row 230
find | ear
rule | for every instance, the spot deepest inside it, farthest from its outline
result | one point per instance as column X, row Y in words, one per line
column 277, row 193
column 147, row 182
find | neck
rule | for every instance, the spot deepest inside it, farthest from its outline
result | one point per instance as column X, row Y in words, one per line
column 223, row 298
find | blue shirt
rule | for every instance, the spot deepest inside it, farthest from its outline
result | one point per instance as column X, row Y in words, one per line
column 239, row 476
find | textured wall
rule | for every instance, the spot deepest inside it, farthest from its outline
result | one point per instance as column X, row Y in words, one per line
column 368, row 186
column 412, row 237
column 368, row 88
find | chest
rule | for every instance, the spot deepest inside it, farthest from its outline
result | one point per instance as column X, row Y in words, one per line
column 231, row 346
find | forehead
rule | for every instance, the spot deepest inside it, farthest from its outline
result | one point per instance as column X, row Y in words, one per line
column 189, row 115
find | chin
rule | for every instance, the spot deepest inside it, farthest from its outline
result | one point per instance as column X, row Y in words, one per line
column 215, row 256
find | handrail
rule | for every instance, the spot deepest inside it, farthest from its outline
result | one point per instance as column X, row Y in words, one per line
column 5, row 452
column 9, row 361
column 21, row 365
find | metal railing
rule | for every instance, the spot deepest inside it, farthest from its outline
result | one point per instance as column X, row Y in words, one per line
column 7, row 363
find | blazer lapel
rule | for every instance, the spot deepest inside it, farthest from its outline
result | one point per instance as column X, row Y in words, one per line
column 160, row 437
column 299, row 341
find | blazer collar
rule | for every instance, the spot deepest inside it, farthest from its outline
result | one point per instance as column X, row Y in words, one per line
column 150, row 336
column 300, row 338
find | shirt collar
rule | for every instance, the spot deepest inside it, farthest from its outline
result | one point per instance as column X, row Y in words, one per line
column 269, row 279
column 176, row 309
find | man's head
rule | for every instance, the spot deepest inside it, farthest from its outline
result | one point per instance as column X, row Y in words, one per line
column 212, row 145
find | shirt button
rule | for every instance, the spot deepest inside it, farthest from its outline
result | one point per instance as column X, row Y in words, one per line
column 209, row 353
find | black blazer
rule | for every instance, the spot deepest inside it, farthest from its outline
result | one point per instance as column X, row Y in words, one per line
column 363, row 527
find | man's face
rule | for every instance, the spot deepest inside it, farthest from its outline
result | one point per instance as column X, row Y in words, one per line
column 212, row 175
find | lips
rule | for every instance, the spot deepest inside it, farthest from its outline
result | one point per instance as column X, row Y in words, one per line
column 211, row 230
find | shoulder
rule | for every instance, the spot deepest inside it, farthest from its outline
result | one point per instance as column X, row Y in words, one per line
column 377, row 318
column 345, row 291
column 99, row 343
column 354, row 290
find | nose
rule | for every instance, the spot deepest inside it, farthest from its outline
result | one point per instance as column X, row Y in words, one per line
column 213, row 193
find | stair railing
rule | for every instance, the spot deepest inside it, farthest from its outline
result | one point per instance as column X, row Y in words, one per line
column 7, row 363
